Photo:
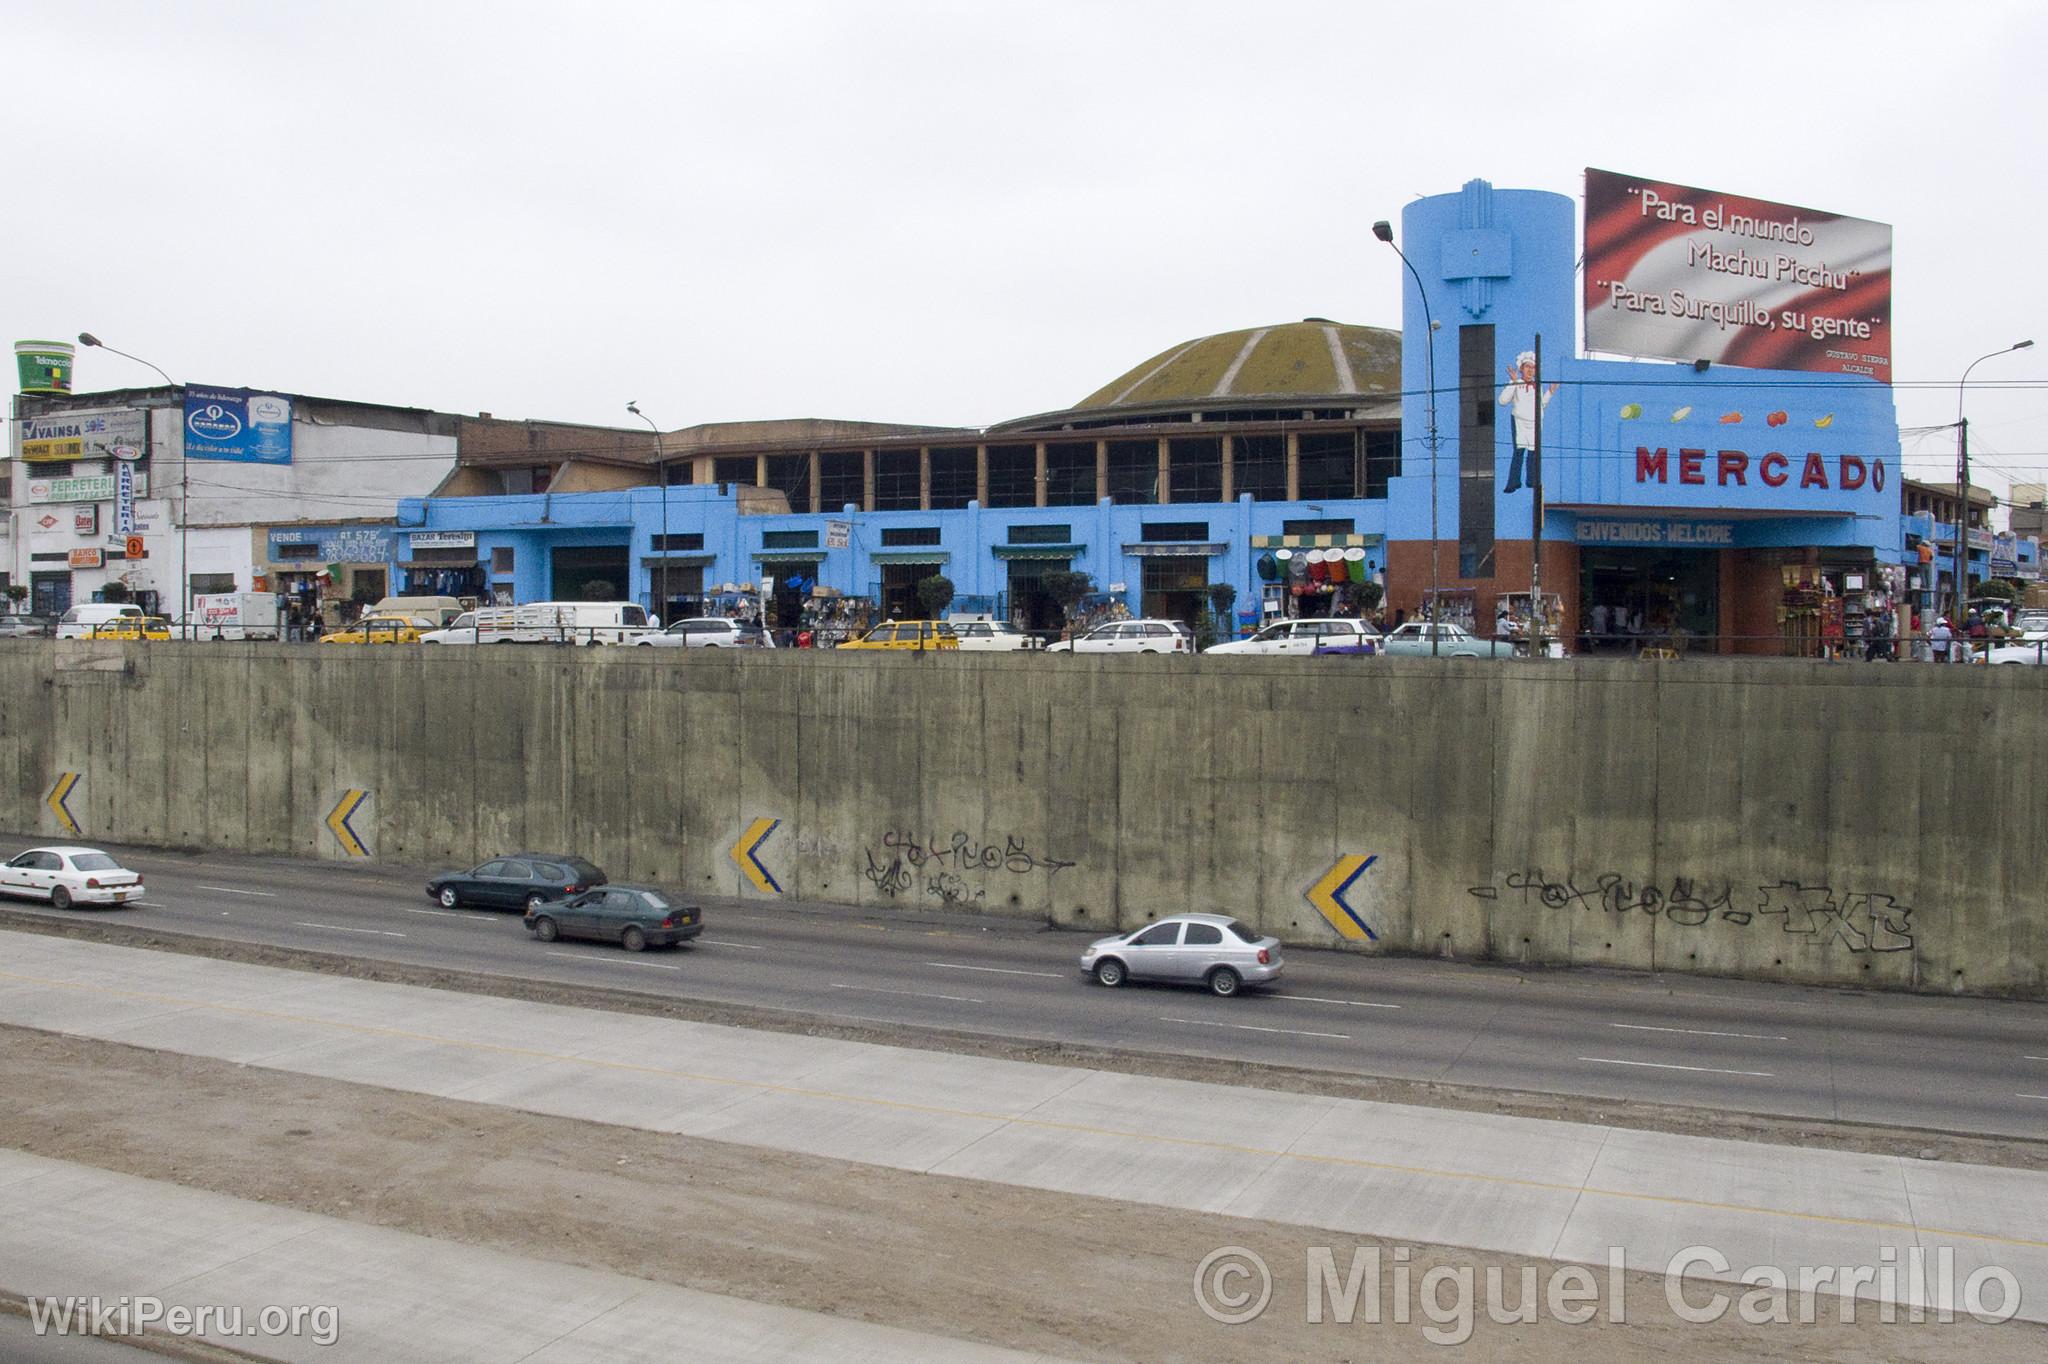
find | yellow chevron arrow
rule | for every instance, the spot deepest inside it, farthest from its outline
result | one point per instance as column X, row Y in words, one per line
column 743, row 855
column 1327, row 895
column 67, row 782
column 337, row 821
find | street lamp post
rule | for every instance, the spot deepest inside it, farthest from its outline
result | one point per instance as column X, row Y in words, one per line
column 184, row 492
column 1384, row 230
column 1962, row 553
column 660, row 472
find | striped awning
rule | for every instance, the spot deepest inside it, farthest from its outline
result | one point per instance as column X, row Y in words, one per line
column 677, row 560
column 788, row 556
column 1175, row 549
column 1316, row 541
column 1038, row 551
column 909, row 556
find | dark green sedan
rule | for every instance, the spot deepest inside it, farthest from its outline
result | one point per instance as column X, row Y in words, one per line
column 631, row 916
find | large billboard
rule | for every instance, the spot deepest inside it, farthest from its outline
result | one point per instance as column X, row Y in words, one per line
column 105, row 433
column 1694, row 274
column 235, row 424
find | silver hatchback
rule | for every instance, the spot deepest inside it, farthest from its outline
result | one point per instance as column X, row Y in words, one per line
column 1189, row 949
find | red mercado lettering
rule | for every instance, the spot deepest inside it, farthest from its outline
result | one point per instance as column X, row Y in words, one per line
column 1732, row 468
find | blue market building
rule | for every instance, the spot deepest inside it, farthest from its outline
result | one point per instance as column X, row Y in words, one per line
column 1312, row 466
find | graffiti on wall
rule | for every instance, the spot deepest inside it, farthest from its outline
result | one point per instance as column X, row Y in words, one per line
column 907, row 864
column 1817, row 916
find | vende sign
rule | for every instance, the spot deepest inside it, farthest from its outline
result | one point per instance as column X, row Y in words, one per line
column 1690, row 466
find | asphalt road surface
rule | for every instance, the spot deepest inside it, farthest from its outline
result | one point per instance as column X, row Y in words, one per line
column 1951, row 1064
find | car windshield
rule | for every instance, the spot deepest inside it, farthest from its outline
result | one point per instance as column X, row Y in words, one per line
column 95, row 862
column 1241, row 931
column 632, row 615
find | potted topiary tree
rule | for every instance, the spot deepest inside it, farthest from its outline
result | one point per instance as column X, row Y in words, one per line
column 935, row 594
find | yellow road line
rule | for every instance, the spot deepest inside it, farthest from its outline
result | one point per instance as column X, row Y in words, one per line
column 1043, row 1124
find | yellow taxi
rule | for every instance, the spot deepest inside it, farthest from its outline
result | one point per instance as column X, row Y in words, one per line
column 907, row 634
column 133, row 627
column 378, row 630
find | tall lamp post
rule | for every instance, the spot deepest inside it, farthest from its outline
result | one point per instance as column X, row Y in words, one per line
column 660, row 472
column 1962, row 560
column 184, row 493
column 1384, row 230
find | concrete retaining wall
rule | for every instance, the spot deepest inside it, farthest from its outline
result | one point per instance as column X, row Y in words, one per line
column 1829, row 823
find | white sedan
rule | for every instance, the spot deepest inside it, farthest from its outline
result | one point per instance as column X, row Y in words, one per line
column 68, row 876
column 1334, row 635
column 992, row 636
column 1131, row 637
column 2035, row 653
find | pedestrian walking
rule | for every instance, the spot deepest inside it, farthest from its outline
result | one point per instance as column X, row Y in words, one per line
column 1940, row 638
column 1878, row 638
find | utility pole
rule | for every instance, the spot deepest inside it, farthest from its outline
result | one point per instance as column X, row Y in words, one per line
column 1536, row 515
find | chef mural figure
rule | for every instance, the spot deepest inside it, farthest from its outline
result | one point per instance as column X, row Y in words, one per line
column 1520, row 394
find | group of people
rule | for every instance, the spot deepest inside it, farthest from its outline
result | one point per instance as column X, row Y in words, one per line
column 1948, row 645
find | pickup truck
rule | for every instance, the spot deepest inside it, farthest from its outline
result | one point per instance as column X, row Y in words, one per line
column 1452, row 641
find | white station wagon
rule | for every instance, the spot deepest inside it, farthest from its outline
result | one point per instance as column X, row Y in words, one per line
column 68, row 876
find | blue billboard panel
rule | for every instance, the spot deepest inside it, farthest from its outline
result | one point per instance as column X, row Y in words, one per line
column 235, row 424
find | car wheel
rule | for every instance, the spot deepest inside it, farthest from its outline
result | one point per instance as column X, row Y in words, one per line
column 545, row 930
column 1109, row 971
column 60, row 898
column 448, row 898
column 633, row 940
column 1225, row 982
column 535, row 901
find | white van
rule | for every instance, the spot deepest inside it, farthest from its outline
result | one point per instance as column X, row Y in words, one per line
column 563, row 622
column 78, row 622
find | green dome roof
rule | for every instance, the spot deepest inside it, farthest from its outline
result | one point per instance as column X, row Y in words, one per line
column 1315, row 358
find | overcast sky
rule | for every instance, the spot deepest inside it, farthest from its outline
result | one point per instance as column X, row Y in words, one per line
column 953, row 211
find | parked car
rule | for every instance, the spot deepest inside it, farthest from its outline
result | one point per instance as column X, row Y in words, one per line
column 461, row 630
column 2032, row 625
column 631, row 916
column 133, row 628
column 1188, row 949
column 1412, row 640
column 564, row 622
column 2018, row 652
column 68, row 876
column 709, row 632
column 379, row 630
column 78, row 622
column 992, row 636
column 1336, row 635
column 516, row 881
column 27, row 627
column 1130, row 637
column 907, row 634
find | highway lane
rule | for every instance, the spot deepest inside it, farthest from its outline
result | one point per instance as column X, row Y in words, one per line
column 1968, row 1065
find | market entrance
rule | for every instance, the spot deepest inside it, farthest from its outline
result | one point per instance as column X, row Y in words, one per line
column 1174, row 587
column 1031, row 606
column 784, row 608
column 899, row 589
column 1631, row 599
column 588, row 573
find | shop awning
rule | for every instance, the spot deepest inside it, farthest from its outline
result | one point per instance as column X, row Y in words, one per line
column 1181, row 549
column 1038, row 551
column 677, row 560
column 788, row 556
column 909, row 556
column 429, row 565
column 1316, row 541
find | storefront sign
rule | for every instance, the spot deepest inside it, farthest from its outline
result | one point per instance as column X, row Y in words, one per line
column 83, row 435
column 838, row 534
column 443, row 539
column 337, row 544
column 1694, row 274
column 87, row 558
column 2005, row 556
column 86, row 519
column 1655, row 532
column 1699, row 467
column 124, row 498
column 93, row 488
column 235, row 424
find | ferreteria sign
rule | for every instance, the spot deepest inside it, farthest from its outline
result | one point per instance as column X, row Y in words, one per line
column 94, row 488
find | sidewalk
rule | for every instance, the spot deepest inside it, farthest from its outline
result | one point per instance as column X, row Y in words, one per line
column 1551, row 1190
column 72, row 1231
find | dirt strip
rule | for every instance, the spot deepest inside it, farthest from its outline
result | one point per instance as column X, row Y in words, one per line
column 1072, row 1276
column 1919, row 1143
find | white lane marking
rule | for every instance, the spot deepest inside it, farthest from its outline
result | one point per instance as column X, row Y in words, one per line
column 994, row 970
column 1702, row 1032
column 743, row 946
column 623, row 961
column 2042, row 1097
column 450, row 913
column 159, row 904
column 2023, row 1058
column 230, row 890
column 1249, row 1027
column 1659, row 1065
column 915, row 994
column 339, row 928
column 1318, row 999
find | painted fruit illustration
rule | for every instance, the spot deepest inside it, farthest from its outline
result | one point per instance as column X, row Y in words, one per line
column 1778, row 418
column 1824, row 422
column 1631, row 411
column 1681, row 414
column 1730, row 418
